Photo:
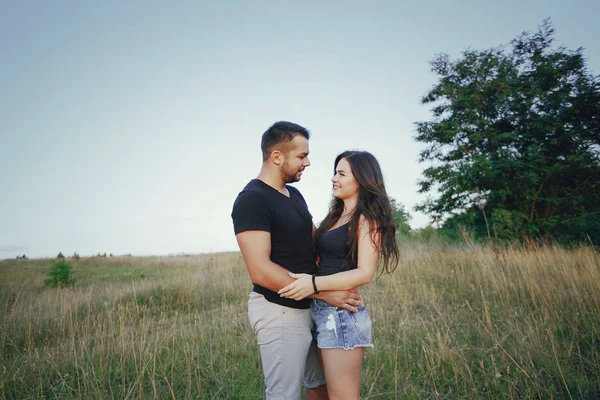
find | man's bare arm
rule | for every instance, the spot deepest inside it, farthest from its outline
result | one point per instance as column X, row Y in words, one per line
column 256, row 251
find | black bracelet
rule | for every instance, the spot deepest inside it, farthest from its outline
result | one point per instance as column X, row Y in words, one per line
column 314, row 284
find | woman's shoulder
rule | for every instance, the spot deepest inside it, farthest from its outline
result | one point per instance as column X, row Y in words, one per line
column 368, row 227
column 365, row 223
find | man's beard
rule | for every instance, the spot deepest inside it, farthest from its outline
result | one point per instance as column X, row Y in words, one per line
column 288, row 175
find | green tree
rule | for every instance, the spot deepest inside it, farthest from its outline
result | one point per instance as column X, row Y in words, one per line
column 401, row 217
column 60, row 274
column 515, row 141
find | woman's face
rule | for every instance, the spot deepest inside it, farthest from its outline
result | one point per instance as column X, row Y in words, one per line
column 345, row 185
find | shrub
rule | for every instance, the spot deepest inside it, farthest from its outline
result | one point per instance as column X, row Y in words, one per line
column 60, row 274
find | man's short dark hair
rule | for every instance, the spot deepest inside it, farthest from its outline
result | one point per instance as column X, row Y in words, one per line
column 280, row 133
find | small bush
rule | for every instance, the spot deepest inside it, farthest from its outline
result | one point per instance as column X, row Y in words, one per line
column 60, row 274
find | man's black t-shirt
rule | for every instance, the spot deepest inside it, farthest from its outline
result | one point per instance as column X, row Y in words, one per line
column 262, row 207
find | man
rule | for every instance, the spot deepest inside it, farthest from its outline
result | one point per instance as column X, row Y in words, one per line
column 274, row 232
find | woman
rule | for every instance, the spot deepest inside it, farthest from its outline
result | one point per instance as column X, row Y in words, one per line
column 358, row 230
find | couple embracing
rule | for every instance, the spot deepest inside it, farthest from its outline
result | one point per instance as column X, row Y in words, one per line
column 305, row 310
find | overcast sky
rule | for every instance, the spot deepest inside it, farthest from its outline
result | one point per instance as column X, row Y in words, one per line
column 130, row 126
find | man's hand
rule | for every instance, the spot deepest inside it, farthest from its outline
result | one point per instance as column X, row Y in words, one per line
column 346, row 299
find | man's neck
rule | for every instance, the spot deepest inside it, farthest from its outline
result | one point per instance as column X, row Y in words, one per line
column 272, row 178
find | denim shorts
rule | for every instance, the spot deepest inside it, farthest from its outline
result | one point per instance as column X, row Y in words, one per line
column 336, row 328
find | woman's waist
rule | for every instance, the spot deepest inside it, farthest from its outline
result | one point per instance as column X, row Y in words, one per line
column 328, row 268
column 318, row 304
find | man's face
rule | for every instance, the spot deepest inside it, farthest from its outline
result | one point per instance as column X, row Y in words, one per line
column 295, row 160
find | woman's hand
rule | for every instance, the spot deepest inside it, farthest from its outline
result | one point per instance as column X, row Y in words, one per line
column 299, row 289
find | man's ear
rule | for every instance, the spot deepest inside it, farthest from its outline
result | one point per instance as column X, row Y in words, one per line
column 277, row 157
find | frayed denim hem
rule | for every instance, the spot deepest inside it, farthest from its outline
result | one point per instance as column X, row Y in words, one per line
column 314, row 385
column 366, row 346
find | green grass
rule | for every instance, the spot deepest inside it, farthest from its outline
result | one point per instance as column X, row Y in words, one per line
column 449, row 323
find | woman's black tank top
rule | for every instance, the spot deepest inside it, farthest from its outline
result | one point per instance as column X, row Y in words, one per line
column 332, row 249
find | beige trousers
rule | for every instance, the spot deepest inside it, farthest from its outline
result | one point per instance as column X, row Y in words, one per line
column 287, row 349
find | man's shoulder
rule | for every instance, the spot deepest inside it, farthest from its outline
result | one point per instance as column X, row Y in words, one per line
column 254, row 188
column 249, row 190
column 251, row 210
column 253, row 194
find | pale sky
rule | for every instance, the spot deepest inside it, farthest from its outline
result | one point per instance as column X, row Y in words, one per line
column 130, row 126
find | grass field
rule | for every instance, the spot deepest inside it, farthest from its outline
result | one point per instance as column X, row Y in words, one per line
column 450, row 323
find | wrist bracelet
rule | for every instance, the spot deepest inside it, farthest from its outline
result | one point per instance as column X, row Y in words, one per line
column 314, row 284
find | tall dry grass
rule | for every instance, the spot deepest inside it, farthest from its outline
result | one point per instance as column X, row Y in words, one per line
column 473, row 322
column 451, row 322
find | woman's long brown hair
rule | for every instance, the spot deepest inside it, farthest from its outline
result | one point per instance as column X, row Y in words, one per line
column 373, row 203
